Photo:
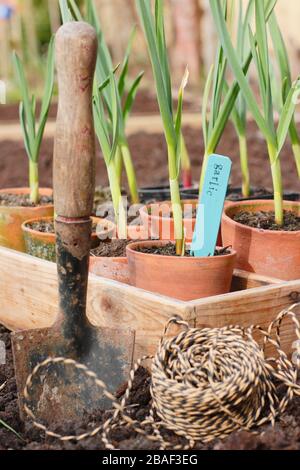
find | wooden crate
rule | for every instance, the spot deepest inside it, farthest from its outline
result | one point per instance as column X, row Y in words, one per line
column 29, row 299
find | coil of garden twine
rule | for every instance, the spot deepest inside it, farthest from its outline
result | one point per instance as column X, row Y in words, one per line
column 206, row 384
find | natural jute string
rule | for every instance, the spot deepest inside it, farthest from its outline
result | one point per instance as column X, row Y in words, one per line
column 206, row 383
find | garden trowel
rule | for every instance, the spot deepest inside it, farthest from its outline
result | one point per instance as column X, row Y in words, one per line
column 62, row 392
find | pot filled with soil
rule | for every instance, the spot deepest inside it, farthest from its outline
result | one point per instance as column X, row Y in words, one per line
column 15, row 208
column 158, row 220
column 262, row 246
column 109, row 260
column 154, row 266
column 40, row 239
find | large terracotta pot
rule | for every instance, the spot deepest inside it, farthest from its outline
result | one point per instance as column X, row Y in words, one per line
column 183, row 278
column 43, row 245
column 12, row 218
column 159, row 225
column 265, row 252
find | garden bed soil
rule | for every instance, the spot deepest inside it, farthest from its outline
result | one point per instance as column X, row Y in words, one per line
column 144, row 103
column 265, row 220
column 285, row 435
column 111, row 249
column 150, row 159
column 23, row 200
column 170, row 250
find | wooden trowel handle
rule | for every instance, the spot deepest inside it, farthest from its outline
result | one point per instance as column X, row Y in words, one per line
column 74, row 150
column 74, row 175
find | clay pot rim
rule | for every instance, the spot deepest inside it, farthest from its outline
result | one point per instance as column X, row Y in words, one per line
column 130, row 249
column 45, row 235
column 113, row 258
column 25, row 191
column 258, row 202
column 144, row 209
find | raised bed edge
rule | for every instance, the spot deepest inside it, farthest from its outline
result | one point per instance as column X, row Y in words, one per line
column 29, row 299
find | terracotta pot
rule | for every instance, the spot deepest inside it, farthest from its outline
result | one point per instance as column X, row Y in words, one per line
column 159, row 225
column 12, row 218
column 115, row 267
column 183, row 278
column 265, row 252
column 110, row 268
column 43, row 245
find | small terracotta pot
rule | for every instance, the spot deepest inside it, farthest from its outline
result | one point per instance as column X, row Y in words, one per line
column 110, row 268
column 157, row 221
column 162, row 227
column 42, row 245
column 265, row 252
column 183, row 278
column 115, row 268
column 12, row 218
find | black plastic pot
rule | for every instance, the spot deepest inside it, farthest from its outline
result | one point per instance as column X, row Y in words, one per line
column 162, row 193
column 234, row 195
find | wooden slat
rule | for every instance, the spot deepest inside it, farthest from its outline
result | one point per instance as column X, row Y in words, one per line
column 243, row 280
column 258, row 306
column 28, row 299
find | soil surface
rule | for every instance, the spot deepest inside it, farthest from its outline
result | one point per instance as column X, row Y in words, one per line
column 150, row 159
column 45, row 226
column 285, row 435
column 22, row 200
column 266, row 220
column 170, row 250
column 111, row 249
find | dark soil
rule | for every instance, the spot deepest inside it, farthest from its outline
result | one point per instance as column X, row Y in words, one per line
column 150, row 158
column 111, row 249
column 45, row 226
column 22, row 200
column 170, row 250
column 266, row 221
column 285, row 435
column 10, row 112
column 145, row 103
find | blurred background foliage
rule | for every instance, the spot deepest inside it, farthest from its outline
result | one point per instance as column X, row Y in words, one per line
column 191, row 36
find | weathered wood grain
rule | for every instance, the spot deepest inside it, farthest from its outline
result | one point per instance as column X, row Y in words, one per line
column 28, row 299
column 243, row 280
column 74, row 147
column 257, row 306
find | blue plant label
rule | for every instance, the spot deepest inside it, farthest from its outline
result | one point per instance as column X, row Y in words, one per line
column 211, row 204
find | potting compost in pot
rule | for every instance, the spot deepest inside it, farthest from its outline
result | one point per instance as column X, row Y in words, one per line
column 149, row 226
